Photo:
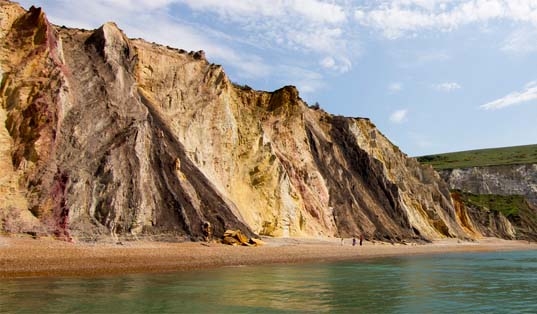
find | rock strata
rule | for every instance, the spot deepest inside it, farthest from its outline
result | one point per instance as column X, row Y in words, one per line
column 110, row 136
column 504, row 180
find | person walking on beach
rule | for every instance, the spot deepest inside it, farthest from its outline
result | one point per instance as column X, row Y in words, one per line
column 353, row 241
column 361, row 239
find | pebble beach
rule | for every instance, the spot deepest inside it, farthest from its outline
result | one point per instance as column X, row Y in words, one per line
column 45, row 257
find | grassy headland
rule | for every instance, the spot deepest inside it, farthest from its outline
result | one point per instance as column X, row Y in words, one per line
column 514, row 155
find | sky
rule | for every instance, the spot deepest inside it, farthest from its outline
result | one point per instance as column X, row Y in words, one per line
column 434, row 76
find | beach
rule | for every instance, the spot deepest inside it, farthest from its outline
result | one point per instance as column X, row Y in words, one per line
column 45, row 257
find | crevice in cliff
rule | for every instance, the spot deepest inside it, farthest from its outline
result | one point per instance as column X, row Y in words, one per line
column 136, row 185
column 213, row 208
column 361, row 197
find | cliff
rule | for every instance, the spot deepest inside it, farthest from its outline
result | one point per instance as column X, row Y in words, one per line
column 496, row 186
column 104, row 135
column 510, row 194
column 501, row 179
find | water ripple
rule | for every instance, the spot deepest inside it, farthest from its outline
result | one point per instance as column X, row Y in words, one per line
column 452, row 283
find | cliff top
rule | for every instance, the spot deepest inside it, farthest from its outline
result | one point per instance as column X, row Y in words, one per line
column 515, row 155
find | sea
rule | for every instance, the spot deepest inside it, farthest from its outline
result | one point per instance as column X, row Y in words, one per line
column 498, row 282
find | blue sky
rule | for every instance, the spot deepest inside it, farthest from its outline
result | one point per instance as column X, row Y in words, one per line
column 433, row 75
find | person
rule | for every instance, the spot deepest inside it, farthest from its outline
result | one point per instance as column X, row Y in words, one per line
column 341, row 241
column 353, row 241
column 207, row 231
column 361, row 239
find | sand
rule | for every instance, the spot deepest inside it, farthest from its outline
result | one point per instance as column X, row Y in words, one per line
column 27, row 257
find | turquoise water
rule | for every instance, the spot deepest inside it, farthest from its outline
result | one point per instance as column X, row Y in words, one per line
column 451, row 283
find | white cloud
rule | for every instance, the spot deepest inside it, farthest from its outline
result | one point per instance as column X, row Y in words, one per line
column 241, row 32
column 528, row 94
column 302, row 26
column 447, row 86
column 319, row 11
column 521, row 41
column 406, row 17
column 341, row 66
column 167, row 31
column 429, row 5
column 310, row 25
column 395, row 87
column 141, row 5
column 313, row 10
column 399, row 116
column 316, row 39
column 328, row 62
column 235, row 9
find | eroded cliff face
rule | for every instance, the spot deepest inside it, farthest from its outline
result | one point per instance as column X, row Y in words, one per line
column 88, row 155
column 502, row 180
column 289, row 169
column 106, row 135
column 488, row 223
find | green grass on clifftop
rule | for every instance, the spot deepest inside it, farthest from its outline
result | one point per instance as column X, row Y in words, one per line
column 515, row 155
column 506, row 204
